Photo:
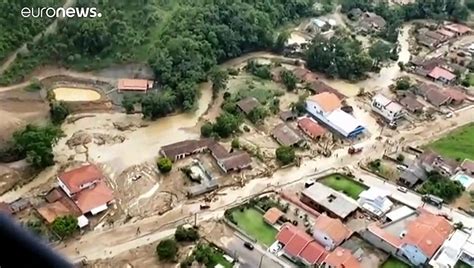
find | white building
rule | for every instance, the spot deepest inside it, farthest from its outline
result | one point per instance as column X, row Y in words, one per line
column 375, row 201
column 326, row 108
column 387, row 108
column 459, row 247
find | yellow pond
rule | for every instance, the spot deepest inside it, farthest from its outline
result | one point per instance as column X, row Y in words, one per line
column 75, row 94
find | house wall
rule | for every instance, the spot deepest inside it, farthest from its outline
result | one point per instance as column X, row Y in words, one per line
column 98, row 209
column 378, row 242
column 63, row 186
column 315, row 110
column 324, row 239
column 387, row 114
column 413, row 254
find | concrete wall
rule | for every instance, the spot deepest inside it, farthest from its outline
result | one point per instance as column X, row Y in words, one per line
column 378, row 242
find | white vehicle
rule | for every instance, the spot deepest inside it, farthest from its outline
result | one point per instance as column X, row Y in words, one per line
column 401, row 167
column 402, row 189
column 449, row 115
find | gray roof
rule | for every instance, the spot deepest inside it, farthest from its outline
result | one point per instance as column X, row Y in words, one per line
column 286, row 135
column 332, row 200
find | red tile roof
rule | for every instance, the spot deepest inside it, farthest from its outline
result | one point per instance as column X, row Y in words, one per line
column 311, row 127
column 328, row 101
column 446, row 33
column 342, row 258
column 457, row 28
column 273, row 215
column 428, row 232
column 93, row 197
column 75, row 178
column 300, row 244
column 133, row 84
column 439, row 72
column 334, row 228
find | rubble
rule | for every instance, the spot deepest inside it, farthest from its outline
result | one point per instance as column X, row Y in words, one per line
column 101, row 139
column 79, row 138
column 124, row 126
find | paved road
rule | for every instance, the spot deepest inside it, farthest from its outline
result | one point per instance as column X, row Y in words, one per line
column 257, row 257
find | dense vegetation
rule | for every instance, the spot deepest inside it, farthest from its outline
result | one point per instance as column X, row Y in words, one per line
column 285, row 155
column 182, row 41
column 442, row 187
column 340, row 56
column 64, row 226
column 183, row 234
column 17, row 30
column 36, row 144
column 167, row 250
column 164, row 164
column 395, row 15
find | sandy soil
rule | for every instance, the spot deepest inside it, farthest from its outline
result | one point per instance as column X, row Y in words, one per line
column 75, row 94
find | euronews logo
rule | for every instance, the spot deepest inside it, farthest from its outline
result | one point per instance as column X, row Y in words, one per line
column 60, row 12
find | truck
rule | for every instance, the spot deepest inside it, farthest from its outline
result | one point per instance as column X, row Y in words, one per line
column 354, row 149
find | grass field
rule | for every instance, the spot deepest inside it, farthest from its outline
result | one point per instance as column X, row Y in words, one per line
column 344, row 184
column 458, row 144
column 218, row 258
column 251, row 222
column 394, row 263
column 264, row 91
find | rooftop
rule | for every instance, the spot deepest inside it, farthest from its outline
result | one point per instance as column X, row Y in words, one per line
column 457, row 28
column 311, row 127
column 248, row 104
column 439, row 72
column 388, row 103
column 286, row 135
column 410, row 103
column 341, row 257
column 273, row 215
column 332, row 200
column 344, row 121
column 93, row 197
column 327, row 101
column 461, row 242
column 134, row 84
column 297, row 243
column 75, row 178
column 334, row 228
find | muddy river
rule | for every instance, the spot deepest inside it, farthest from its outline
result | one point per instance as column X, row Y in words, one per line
column 76, row 94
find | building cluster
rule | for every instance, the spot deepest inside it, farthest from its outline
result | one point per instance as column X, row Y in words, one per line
column 81, row 192
column 439, row 36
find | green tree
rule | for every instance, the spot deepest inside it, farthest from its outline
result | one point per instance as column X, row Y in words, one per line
column 235, row 143
column 186, row 234
column 129, row 101
column 219, row 79
column 289, row 79
column 469, row 4
column 207, row 129
column 285, row 155
column 226, row 124
column 164, row 164
column 36, row 143
column 443, row 187
column 258, row 114
column 157, row 105
column 167, row 249
column 65, row 226
column 380, row 51
column 281, row 40
column 58, row 112
column 402, row 84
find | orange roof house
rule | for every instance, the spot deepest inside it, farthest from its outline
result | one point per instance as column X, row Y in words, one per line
column 341, row 258
column 327, row 101
column 311, row 128
column 273, row 215
column 415, row 237
column 91, row 198
column 330, row 232
column 79, row 178
column 300, row 245
column 134, row 85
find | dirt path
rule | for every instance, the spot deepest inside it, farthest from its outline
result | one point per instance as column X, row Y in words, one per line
column 23, row 49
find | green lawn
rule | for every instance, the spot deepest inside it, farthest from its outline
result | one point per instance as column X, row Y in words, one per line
column 344, row 184
column 251, row 222
column 394, row 263
column 263, row 90
column 470, row 78
column 458, row 145
column 218, row 258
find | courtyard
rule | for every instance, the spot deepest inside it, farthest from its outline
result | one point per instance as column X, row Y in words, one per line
column 251, row 222
column 344, row 184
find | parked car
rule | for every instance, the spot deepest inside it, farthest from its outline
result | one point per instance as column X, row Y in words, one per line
column 449, row 115
column 205, row 206
column 248, row 245
column 309, row 183
column 354, row 149
column 402, row 189
column 401, row 167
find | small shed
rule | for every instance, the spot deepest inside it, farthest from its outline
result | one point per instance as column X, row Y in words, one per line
column 273, row 215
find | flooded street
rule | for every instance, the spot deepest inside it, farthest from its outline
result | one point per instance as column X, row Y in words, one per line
column 76, row 94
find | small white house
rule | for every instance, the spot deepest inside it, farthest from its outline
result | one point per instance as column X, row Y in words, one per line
column 387, row 108
column 375, row 200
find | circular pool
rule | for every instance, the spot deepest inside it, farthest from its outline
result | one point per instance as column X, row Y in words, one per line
column 75, row 94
